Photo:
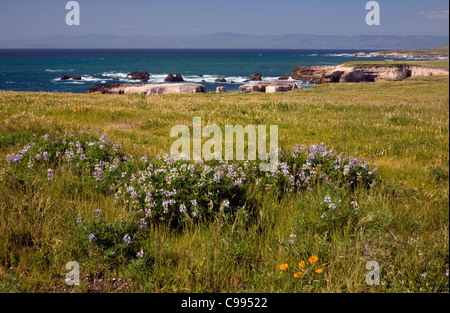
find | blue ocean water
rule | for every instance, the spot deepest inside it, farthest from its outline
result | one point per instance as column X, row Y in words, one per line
column 41, row 70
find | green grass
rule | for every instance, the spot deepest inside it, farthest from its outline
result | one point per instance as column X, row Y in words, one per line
column 402, row 223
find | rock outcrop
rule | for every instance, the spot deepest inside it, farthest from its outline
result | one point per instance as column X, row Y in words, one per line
column 104, row 88
column 66, row 77
column 143, row 76
column 174, row 78
column 285, row 77
column 221, row 89
column 269, row 87
column 221, row 80
column 365, row 73
column 255, row 78
column 147, row 89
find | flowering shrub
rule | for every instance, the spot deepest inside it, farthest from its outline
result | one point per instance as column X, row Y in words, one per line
column 177, row 190
column 172, row 191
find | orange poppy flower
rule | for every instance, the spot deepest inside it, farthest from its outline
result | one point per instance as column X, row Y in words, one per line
column 301, row 264
column 319, row 271
column 313, row 259
column 283, row 267
column 298, row 275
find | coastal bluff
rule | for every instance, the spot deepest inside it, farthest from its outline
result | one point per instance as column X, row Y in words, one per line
column 362, row 73
column 147, row 89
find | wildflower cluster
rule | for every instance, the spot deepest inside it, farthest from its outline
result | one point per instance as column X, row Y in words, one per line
column 303, row 267
column 78, row 108
column 165, row 189
column 82, row 153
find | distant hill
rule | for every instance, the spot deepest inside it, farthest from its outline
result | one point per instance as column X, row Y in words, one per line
column 232, row 41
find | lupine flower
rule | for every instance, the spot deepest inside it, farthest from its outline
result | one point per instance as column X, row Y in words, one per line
column 127, row 239
column 116, row 148
column 25, row 149
column 332, row 206
column 140, row 254
column 50, row 174
column 98, row 211
column 92, row 237
column 293, row 236
column 355, row 205
column 14, row 158
column 143, row 224
column 327, row 199
column 79, row 220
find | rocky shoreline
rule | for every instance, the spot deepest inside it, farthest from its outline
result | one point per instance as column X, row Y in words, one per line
column 363, row 73
column 313, row 75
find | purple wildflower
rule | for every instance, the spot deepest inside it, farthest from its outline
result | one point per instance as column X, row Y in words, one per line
column 14, row 158
column 92, row 237
column 50, row 174
column 127, row 239
column 143, row 224
column 140, row 254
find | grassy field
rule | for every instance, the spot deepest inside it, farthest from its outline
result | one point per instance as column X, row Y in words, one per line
column 402, row 221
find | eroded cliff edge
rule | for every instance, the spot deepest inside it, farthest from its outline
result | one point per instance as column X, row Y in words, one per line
column 363, row 73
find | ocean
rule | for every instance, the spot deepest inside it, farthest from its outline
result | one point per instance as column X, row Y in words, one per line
column 41, row 70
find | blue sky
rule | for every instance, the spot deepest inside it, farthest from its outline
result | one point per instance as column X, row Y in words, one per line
column 25, row 19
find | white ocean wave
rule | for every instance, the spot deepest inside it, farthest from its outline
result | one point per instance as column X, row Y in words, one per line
column 115, row 74
column 339, row 55
column 108, row 77
column 57, row 71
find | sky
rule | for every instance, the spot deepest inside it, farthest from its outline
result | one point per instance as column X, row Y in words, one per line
column 27, row 19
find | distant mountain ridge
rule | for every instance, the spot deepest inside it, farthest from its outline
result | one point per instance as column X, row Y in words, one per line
column 232, row 41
